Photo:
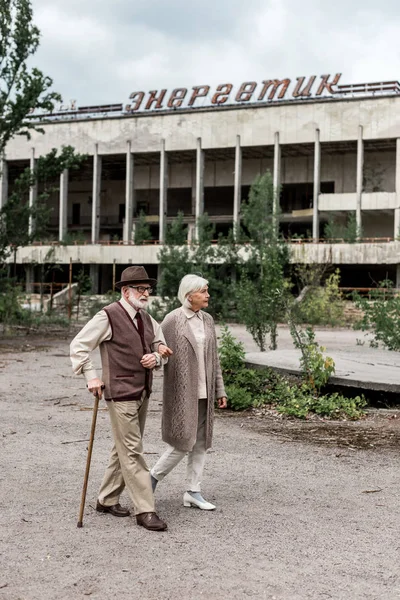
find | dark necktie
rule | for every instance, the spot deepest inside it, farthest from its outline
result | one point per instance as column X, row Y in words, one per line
column 140, row 328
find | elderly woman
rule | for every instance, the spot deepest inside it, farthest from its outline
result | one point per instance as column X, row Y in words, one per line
column 192, row 384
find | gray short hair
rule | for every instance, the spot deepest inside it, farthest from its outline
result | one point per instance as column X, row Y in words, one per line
column 189, row 284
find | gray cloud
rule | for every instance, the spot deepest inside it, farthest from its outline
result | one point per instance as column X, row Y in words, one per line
column 102, row 54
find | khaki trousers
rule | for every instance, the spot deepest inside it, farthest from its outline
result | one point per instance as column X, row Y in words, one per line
column 196, row 457
column 127, row 466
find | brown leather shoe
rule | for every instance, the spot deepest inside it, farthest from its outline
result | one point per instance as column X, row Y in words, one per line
column 151, row 521
column 116, row 509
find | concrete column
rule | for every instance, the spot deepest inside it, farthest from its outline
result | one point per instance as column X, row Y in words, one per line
column 359, row 180
column 277, row 171
column 191, row 232
column 3, row 182
column 96, row 196
column 30, row 278
column 129, row 196
column 237, row 190
column 317, row 184
column 199, row 184
column 32, row 193
column 396, row 233
column 163, row 192
column 94, row 278
column 63, row 224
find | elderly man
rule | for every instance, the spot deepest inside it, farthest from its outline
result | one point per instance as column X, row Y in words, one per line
column 131, row 346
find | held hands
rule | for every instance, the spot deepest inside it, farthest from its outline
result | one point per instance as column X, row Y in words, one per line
column 164, row 351
column 222, row 402
column 96, row 387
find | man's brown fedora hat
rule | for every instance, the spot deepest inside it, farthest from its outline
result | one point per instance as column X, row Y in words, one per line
column 133, row 275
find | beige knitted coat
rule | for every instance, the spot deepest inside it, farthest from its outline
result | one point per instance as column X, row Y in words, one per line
column 180, row 399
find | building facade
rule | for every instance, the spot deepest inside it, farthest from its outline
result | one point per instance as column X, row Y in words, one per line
column 331, row 157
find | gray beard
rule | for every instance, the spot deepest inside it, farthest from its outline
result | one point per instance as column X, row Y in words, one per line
column 137, row 304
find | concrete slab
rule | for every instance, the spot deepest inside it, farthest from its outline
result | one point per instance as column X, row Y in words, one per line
column 381, row 374
column 357, row 365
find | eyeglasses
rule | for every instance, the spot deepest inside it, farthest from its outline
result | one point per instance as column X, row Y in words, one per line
column 141, row 289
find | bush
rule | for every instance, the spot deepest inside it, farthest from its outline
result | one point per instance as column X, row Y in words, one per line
column 302, row 404
column 244, row 387
column 323, row 305
column 102, row 301
column 11, row 311
column 381, row 315
column 238, row 398
column 250, row 388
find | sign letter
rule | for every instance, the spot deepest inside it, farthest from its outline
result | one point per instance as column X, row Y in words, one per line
column 177, row 98
column 137, row 97
column 325, row 85
column 246, row 91
column 222, row 94
column 306, row 91
column 275, row 84
column 153, row 99
column 200, row 91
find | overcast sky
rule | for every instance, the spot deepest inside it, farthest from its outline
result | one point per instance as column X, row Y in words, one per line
column 99, row 51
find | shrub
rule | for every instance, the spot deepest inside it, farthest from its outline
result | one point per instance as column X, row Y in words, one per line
column 324, row 305
column 381, row 315
column 250, row 388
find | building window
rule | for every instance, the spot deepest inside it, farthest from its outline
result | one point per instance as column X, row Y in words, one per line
column 121, row 213
column 76, row 214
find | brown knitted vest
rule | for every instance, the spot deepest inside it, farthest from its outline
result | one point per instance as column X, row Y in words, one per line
column 123, row 375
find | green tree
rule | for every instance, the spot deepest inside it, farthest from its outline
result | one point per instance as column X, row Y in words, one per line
column 323, row 304
column 178, row 258
column 174, row 260
column 21, row 224
column 348, row 232
column 23, row 89
column 381, row 315
column 262, row 289
column 142, row 230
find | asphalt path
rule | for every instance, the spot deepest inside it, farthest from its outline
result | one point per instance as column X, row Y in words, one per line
column 293, row 520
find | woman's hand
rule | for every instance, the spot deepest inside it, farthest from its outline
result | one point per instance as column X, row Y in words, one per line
column 222, row 402
column 164, row 351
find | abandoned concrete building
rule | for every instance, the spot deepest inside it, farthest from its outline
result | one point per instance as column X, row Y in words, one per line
column 332, row 155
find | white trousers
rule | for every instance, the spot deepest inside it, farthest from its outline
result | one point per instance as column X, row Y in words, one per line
column 196, row 457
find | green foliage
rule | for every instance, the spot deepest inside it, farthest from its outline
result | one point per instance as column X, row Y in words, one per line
column 348, row 233
column 315, row 367
column 244, row 387
column 16, row 214
column 142, row 230
column 22, row 89
column 381, row 315
column 301, row 404
column 177, row 232
column 323, row 305
column 99, row 303
column 262, row 289
column 73, row 237
column 231, row 355
column 249, row 388
column 11, row 311
column 177, row 258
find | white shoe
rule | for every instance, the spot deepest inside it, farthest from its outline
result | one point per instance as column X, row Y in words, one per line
column 189, row 500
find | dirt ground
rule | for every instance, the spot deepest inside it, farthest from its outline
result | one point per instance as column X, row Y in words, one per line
column 305, row 509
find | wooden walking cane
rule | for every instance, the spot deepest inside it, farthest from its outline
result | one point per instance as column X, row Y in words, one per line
column 88, row 459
